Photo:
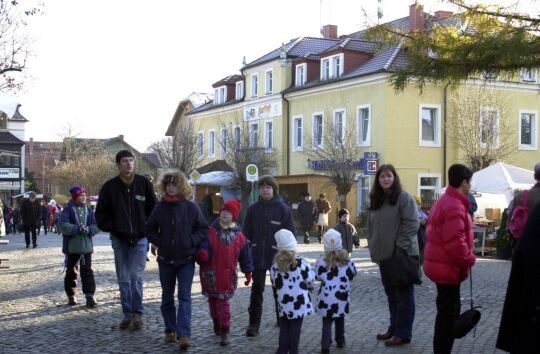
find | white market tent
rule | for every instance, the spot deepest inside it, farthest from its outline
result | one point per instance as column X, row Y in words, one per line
column 496, row 184
column 221, row 179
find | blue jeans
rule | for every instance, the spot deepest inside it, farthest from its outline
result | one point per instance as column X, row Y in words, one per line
column 176, row 321
column 130, row 261
column 402, row 308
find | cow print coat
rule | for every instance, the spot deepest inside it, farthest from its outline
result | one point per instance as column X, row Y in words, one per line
column 333, row 297
column 292, row 289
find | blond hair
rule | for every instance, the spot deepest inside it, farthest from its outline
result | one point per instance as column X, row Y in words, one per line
column 179, row 180
column 336, row 258
column 285, row 260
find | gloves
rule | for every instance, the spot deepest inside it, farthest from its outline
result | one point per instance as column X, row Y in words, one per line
column 83, row 229
column 202, row 256
column 248, row 278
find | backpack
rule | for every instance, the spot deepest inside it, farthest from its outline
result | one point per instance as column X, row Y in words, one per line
column 519, row 217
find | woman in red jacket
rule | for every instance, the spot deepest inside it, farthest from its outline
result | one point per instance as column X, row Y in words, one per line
column 449, row 252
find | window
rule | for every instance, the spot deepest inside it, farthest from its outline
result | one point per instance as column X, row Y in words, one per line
column 268, row 85
column 48, row 188
column 254, row 135
column 211, row 143
column 528, row 75
column 223, row 143
column 254, row 85
column 363, row 187
column 298, row 133
column 332, row 67
column 300, row 74
column 429, row 187
column 269, row 135
column 363, row 118
column 489, row 75
column 318, row 130
column 3, row 161
column 528, row 126
column 429, row 126
column 239, row 90
column 200, row 144
column 15, row 161
column 489, row 127
column 220, row 95
column 339, row 127
column 236, row 138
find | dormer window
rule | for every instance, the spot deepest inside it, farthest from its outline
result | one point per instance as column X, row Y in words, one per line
column 332, row 67
column 220, row 95
column 528, row 75
column 301, row 70
column 239, row 90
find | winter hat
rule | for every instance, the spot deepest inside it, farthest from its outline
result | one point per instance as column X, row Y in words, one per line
column 232, row 206
column 332, row 240
column 76, row 191
column 285, row 240
column 342, row 212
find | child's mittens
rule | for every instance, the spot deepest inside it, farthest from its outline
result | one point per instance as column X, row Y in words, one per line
column 202, row 256
column 248, row 278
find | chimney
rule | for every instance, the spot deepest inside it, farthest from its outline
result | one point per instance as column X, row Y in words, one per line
column 31, row 146
column 329, row 31
column 416, row 17
column 443, row 14
column 121, row 136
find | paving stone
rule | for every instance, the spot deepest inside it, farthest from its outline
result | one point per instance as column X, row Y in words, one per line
column 35, row 317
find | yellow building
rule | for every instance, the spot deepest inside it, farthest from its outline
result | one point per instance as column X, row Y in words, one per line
column 287, row 97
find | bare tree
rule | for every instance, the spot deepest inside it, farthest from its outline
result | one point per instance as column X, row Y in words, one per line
column 336, row 151
column 74, row 147
column 14, row 43
column 178, row 151
column 479, row 126
column 240, row 145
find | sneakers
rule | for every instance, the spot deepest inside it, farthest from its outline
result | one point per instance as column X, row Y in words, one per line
column 136, row 322
column 126, row 322
column 184, row 343
column 91, row 302
column 72, row 301
column 170, row 337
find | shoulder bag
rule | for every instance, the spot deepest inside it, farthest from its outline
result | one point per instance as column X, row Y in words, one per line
column 400, row 269
column 468, row 319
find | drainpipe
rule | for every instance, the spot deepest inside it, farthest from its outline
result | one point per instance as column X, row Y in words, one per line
column 445, row 114
column 287, row 150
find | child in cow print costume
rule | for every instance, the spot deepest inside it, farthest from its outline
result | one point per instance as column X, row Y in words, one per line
column 292, row 278
column 335, row 271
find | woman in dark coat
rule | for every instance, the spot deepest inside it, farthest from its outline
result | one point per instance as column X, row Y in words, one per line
column 520, row 321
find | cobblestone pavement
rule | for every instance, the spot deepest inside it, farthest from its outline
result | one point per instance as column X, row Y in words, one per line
column 34, row 317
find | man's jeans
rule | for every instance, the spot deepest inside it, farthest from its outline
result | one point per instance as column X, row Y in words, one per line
column 130, row 261
column 169, row 274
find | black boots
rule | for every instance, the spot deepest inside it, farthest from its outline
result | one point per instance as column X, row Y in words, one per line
column 254, row 323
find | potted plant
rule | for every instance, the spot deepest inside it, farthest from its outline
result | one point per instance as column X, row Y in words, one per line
column 503, row 242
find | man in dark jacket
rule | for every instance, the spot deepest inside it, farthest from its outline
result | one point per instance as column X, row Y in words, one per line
column 263, row 219
column 125, row 203
column 306, row 212
column 31, row 216
column 44, row 217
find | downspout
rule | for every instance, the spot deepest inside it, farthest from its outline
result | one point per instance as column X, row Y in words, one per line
column 287, row 150
column 445, row 114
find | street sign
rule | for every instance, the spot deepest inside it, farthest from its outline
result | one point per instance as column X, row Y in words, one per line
column 371, row 167
column 195, row 175
column 252, row 173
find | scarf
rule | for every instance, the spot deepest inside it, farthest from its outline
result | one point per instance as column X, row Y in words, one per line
column 172, row 198
column 127, row 180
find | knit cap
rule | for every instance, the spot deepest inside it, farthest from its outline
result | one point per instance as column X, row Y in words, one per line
column 232, row 206
column 332, row 240
column 76, row 191
column 285, row 240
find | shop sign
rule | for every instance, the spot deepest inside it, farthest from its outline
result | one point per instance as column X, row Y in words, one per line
column 9, row 173
column 262, row 111
column 330, row 165
column 8, row 186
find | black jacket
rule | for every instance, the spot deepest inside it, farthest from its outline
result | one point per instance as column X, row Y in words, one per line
column 178, row 229
column 31, row 213
column 123, row 211
column 307, row 212
column 520, row 324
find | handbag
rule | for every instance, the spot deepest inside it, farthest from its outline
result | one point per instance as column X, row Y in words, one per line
column 399, row 270
column 468, row 320
column 81, row 243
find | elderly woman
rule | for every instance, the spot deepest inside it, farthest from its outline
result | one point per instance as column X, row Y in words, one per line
column 392, row 228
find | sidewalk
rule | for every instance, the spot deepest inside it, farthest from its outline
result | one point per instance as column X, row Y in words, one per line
column 34, row 317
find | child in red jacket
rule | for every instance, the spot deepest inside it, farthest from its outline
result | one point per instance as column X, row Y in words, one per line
column 219, row 276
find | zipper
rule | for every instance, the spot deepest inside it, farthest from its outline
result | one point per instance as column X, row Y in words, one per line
column 173, row 227
column 130, row 215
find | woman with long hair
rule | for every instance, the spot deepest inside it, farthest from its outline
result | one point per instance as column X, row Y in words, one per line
column 392, row 228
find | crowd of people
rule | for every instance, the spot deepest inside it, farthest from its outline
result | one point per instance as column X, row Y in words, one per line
column 399, row 233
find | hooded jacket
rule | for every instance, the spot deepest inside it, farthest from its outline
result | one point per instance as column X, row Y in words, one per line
column 178, row 229
column 263, row 220
column 123, row 210
column 449, row 246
